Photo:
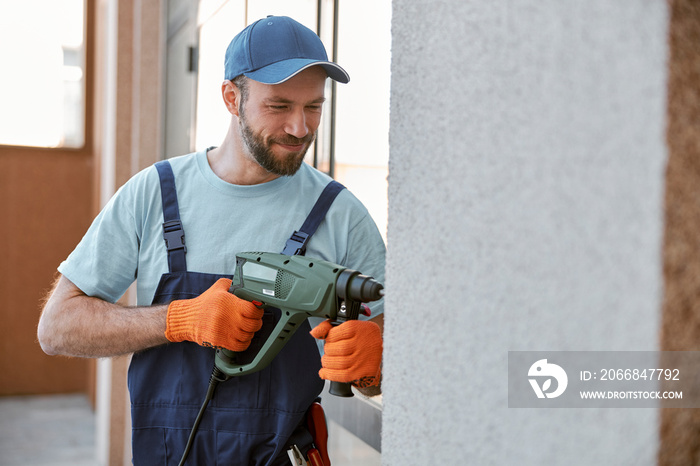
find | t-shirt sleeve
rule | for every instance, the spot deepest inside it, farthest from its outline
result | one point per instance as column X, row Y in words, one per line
column 104, row 263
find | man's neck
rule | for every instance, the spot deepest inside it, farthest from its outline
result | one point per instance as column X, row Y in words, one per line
column 232, row 165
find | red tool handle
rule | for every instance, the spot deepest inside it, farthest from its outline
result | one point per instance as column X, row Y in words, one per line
column 316, row 423
column 315, row 458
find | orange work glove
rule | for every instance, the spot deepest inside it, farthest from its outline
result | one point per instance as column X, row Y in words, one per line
column 216, row 318
column 352, row 352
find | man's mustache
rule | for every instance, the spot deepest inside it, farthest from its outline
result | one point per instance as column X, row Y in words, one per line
column 294, row 141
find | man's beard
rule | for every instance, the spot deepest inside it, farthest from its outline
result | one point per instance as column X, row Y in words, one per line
column 261, row 151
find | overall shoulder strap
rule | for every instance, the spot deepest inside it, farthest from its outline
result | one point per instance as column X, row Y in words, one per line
column 173, row 233
column 296, row 245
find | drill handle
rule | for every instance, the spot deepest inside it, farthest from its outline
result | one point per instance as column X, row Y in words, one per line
column 347, row 310
column 342, row 389
column 352, row 289
column 226, row 360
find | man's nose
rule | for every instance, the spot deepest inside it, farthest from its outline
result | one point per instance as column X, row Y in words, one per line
column 296, row 124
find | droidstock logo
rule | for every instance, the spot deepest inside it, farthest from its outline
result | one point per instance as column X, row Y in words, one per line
column 545, row 372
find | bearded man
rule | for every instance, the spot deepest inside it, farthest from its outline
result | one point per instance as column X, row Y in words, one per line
column 176, row 228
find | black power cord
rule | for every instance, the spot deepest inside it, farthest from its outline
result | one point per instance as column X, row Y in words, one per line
column 216, row 377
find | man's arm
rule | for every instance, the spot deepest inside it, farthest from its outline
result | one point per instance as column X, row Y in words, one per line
column 74, row 324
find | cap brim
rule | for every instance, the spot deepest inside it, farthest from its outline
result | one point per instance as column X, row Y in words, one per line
column 280, row 72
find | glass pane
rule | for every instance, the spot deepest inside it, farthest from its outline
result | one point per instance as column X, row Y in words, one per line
column 42, row 84
column 362, row 118
column 303, row 11
column 217, row 28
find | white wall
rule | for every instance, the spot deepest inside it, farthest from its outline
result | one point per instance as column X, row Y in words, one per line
column 525, row 213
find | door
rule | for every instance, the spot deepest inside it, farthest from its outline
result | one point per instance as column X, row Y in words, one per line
column 46, row 178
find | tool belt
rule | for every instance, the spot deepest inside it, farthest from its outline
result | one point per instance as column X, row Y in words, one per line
column 308, row 445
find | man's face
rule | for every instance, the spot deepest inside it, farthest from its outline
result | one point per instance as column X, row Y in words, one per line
column 279, row 122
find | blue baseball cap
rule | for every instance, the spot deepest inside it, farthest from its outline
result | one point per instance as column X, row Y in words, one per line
column 273, row 49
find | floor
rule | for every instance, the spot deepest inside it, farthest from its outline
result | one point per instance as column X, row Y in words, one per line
column 59, row 430
column 47, row 431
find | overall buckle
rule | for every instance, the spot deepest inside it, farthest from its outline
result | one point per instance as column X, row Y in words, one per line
column 174, row 235
column 296, row 244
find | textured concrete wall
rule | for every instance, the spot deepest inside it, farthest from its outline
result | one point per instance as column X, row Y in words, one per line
column 525, row 213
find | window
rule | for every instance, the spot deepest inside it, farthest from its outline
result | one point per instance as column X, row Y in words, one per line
column 42, row 93
column 362, row 111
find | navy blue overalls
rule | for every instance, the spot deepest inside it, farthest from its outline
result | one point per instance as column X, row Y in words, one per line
column 251, row 417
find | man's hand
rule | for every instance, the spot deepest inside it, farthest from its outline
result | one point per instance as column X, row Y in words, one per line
column 216, row 318
column 352, row 352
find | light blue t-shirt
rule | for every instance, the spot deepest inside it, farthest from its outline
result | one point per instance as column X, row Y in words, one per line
column 125, row 241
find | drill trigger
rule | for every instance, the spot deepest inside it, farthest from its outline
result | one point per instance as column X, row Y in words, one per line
column 365, row 310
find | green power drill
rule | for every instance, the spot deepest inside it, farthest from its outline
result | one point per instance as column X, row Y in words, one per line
column 300, row 287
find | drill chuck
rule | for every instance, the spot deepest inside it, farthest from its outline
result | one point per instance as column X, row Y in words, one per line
column 353, row 286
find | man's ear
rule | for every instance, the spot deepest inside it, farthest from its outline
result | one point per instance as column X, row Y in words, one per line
column 231, row 95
